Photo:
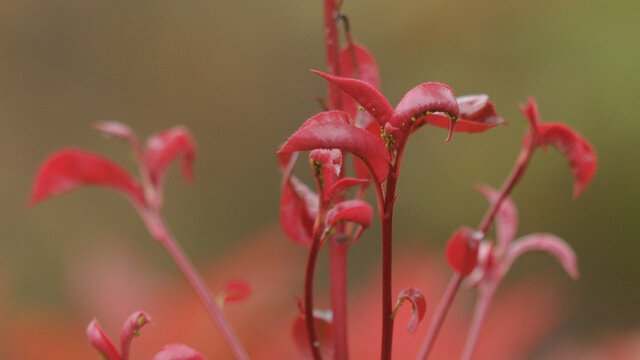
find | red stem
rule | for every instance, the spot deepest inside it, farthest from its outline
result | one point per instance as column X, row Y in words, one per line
column 387, row 244
column 308, row 296
column 158, row 228
column 332, row 46
column 440, row 314
column 338, row 273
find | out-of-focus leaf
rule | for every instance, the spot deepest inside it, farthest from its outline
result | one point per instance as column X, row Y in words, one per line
column 356, row 211
column 364, row 94
column 297, row 211
column 164, row 147
column 506, row 218
column 101, row 342
column 462, row 251
column 418, row 306
column 68, row 169
column 532, row 114
column 578, row 151
column 329, row 131
column 366, row 70
column 341, row 186
column 177, row 352
column 548, row 243
column 119, row 130
column 322, row 323
column 234, row 291
column 131, row 328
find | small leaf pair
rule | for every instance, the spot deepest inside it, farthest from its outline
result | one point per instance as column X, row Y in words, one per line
column 418, row 306
column 132, row 326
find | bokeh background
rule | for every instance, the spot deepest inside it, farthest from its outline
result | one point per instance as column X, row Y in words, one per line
column 236, row 74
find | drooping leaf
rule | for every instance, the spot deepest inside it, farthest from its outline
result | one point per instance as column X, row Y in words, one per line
column 424, row 99
column 177, row 352
column 164, row 147
column 357, row 211
column 234, row 291
column 68, row 169
column 506, row 218
column 578, row 151
column 101, row 342
column 462, row 250
column 341, row 186
column 418, row 306
column 119, row 130
column 364, row 94
column 365, row 69
column 548, row 243
column 131, row 329
column 322, row 322
column 532, row 114
column 329, row 131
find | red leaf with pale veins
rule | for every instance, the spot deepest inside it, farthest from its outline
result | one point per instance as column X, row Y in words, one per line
column 357, row 211
column 462, row 250
column 423, row 99
column 329, row 131
column 178, row 352
column 341, row 186
column 101, row 342
column 164, row 147
column 119, row 130
column 235, row 291
column 506, row 218
column 418, row 306
column 578, row 151
column 548, row 243
column 366, row 70
column 131, row 328
column 322, row 322
column 363, row 93
column 68, row 169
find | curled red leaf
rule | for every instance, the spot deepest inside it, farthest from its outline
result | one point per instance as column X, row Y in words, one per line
column 506, row 218
column 364, row 94
column 329, row 131
column 164, row 147
column 178, row 352
column 341, row 186
column 101, row 342
column 235, row 291
column 418, row 306
column 424, row 99
column 578, row 151
column 462, row 250
column 322, row 322
column 131, row 329
column 357, row 211
column 68, row 169
column 119, row 130
column 548, row 243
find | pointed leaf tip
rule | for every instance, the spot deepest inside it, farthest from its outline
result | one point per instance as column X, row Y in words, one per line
column 418, row 306
column 101, row 342
column 423, row 100
column 548, row 243
column 68, row 169
column 462, row 250
column 162, row 148
column 131, row 329
column 178, row 352
column 579, row 153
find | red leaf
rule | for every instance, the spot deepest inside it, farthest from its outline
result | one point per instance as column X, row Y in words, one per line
column 329, row 131
column 424, row 99
column 68, row 169
column 532, row 114
column 359, row 166
column 363, row 93
column 462, row 250
column 164, row 147
column 478, row 109
column 297, row 212
column 357, row 211
column 341, row 186
column 366, row 70
column 506, row 218
column 578, row 151
column 119, row 130
column 178, row 352
column 322, row 322
column 326, row 166
column 99, row 340
column 548, row 243
column 418, row 306
column 235, row 291
column 131, row 328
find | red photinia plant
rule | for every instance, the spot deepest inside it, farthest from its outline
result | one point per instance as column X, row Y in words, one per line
column 357, row 120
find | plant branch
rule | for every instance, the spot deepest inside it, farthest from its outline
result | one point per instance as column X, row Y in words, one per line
column 332, row 48
column 338, row 251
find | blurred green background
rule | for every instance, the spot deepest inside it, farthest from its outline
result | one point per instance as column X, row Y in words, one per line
column 236, row 72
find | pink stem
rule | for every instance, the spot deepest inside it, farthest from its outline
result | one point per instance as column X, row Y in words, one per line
column 161, row 232
column 482, row 307
column 338, row 273
column 440, row 314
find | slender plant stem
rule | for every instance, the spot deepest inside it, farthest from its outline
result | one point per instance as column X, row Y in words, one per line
column 332, row 48
column 308, row 296
column 439, row 316
column 387, row 246
column 160, row 230
column 482, row 307
column 338, row 252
